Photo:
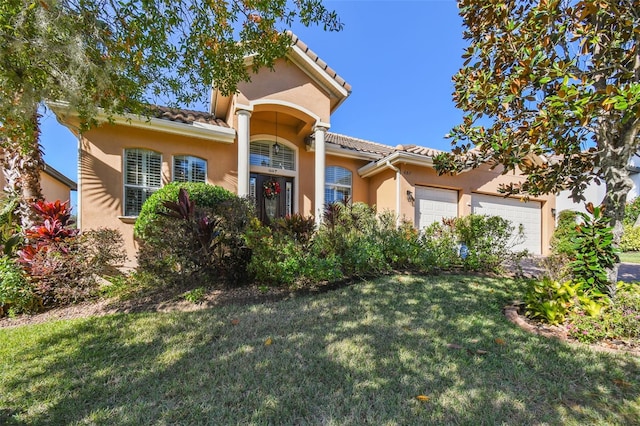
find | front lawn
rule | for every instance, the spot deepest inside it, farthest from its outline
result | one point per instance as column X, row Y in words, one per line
column 630, row 257
column 360, row 354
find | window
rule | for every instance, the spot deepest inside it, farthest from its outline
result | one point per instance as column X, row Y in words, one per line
column 338, row 184
column 189, row 169
column 142, row 177
column 263, row 154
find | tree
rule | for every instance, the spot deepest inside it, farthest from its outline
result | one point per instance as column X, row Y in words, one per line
column 121, row 56
column 552, row 88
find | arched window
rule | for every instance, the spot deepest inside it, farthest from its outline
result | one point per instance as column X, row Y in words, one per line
column 142, row 177
column 189, row 169
column 269, row 154
column 337, row 185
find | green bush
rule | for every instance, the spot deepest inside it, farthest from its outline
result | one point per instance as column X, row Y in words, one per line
column 399, row 242
column 630, row 240
column 16, row 294
column 489, row 239
column 203, row 195
column 561, row 243
column 632, row 211
column 594, row 250
column 619, row 320
column 185, row 239
column 439, row 247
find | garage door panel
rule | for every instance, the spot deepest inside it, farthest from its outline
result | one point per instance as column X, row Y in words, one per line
column 529, row 214
column 433, row 204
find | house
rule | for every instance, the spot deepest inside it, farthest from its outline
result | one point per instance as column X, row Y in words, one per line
column 277, row 128
column 55, row 185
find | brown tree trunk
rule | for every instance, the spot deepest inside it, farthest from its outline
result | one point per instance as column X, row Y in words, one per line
column 22, row 163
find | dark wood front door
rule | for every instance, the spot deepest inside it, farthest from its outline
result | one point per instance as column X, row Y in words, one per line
column 273, row 206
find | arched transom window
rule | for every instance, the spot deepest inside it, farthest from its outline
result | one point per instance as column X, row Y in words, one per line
column 268, row 154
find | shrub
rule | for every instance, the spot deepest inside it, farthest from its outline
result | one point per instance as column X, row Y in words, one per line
column 16, row 295
column 561, row 243
column 489, row 239
column 399, row 242
column 62, row 265
column 205, row 196
column 182, row 238
column 632, row 211
column 439, row 246
column 594, row 250
column 619, row 320
column 630, row 240
column 10, row 236
column 552, row 301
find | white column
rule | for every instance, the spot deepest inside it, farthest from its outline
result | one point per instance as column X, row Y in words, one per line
column 320, row 172
column 243, row 152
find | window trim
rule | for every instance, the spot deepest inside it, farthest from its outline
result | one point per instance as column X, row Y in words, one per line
column 126, row 218
column 335, row 185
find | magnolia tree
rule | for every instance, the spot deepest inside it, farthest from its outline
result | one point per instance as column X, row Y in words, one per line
column 121, row 56
column 552, row 88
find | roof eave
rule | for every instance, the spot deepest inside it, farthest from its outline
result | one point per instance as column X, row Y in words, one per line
column 397, row 157
column 196, row 129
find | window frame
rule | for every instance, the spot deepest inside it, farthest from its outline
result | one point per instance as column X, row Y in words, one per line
column 335, row 185
column 190, row 161
column 126, row 185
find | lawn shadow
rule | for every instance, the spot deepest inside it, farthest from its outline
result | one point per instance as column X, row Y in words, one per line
column 359, row 354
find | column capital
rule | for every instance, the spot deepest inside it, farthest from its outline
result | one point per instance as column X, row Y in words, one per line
column 322, row 127
column 244, row 109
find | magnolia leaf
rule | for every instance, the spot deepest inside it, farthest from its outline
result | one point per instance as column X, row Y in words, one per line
column 268, row 342
column 453, row 346
column 500, row 341
column 423, row 398
column 235, row 321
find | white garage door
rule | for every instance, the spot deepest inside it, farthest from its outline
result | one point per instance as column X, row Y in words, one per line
column 528, row 214
column 432, row 204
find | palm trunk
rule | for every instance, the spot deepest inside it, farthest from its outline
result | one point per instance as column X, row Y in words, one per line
column 22, row 163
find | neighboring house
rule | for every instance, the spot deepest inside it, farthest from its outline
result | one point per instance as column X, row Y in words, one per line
column 595, row 193
column 55, row 185
column 277, row 128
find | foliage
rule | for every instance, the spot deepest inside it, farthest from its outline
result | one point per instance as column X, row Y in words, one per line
column 619, row 321
column 551, row 89
column 594, row 252
column 489, row 239
column 440, row 246
column 203, row 195
column 561, row 243
column 120, row 57
column 10, row 236
column 630, row 240
column 399, row 241
column 632, row 211
column 63, row 265
column 16, row 295
column 195, row 296
column 552, row 301
column 184, row 238
column 297, row 227
column 281, row 257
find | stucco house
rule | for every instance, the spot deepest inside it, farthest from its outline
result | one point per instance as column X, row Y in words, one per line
column 55, row 185
column 277, row 127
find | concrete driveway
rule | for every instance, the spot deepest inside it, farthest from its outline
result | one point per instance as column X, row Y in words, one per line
column 628, row 272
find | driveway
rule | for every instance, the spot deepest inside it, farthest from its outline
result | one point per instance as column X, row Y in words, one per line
column 628, row 272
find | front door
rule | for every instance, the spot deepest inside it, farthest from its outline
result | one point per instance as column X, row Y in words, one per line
column 274, row 196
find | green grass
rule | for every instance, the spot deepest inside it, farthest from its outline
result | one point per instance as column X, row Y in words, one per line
column 630, row 257
column 356, row 355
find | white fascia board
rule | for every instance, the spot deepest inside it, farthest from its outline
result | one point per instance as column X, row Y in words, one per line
column 195, row 130
column 314, row 71
column 395, row 158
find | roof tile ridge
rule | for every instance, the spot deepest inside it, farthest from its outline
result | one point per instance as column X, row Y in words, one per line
column 361, row 140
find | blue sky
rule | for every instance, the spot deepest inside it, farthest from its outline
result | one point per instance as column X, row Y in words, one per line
column 398, row 56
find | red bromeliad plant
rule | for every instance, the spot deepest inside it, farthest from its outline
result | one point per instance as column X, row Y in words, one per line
column 50, row 233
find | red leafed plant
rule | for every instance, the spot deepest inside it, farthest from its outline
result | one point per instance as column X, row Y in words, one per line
column 55, row 228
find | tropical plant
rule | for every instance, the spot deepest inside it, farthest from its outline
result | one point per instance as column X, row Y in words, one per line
column 593, row 250
column 552, row 89
column 16, row 295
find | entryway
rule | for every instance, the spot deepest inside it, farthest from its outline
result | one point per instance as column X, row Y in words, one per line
column 273, row 195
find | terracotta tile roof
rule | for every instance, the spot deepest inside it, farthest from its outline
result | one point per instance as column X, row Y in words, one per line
column 322, row 64
column 355, row 144
column 420, row 150
column 186, row 116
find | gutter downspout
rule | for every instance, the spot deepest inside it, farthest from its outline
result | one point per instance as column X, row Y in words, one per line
column 397, row 170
